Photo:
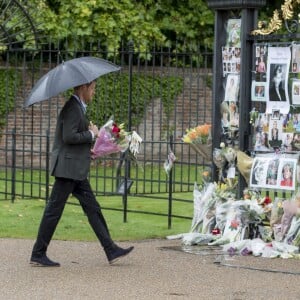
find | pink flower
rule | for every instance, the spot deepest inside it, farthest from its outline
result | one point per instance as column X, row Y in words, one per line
column 105, row 144
column 234, row 224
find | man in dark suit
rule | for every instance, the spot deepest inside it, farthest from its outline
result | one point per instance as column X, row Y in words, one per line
column 70, row 164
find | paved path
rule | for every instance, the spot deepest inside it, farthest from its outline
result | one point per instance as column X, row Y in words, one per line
column 154, row 270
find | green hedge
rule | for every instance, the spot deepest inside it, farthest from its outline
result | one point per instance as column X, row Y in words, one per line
column 113, row 93
column 9, row 83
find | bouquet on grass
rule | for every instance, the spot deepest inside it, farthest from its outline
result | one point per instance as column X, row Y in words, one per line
column 112, row 138
column 200, row 140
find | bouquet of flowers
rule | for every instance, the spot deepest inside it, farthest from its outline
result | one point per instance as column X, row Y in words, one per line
column 112, row 138
column 200, row 140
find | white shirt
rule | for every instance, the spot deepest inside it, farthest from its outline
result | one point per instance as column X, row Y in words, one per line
column 84, row 106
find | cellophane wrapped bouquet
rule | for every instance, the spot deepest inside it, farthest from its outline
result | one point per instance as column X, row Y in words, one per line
column 112, row 138
column 200, row 140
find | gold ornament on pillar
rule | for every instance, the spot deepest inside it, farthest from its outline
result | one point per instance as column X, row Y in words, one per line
column 286, row 13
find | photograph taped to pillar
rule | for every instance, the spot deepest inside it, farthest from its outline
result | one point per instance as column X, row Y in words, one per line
column 275, row 133
column 274, row 172
column 234, row 33
column 277, row 95
column 231, row 60
column 232, row 88
column 261, row 58
column 295, row 67
column 295, row 92
column 258, row 91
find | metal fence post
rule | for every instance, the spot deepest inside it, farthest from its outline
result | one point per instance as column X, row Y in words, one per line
column 170, row 189
column 127, row 161
column 47, row 163
column 13, row 166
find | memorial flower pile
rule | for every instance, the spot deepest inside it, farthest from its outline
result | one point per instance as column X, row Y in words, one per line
column 254, row 224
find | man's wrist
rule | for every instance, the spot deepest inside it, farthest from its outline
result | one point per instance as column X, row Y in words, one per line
column 93, row 134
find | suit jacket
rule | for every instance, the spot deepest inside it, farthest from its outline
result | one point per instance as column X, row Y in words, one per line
column 71, row 157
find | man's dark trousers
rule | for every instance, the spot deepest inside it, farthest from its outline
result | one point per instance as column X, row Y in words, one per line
column 82, row 191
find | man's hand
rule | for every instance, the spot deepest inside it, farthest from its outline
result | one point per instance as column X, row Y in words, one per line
column 94, row 129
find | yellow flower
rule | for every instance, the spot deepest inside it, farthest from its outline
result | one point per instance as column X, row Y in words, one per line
column 205, row 173
column 197, row 135
column 186, row 139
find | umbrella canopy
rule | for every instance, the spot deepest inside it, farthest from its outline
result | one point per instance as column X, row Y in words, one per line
column 67, row 75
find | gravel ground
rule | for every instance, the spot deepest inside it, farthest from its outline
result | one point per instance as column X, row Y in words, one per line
column 156, row 269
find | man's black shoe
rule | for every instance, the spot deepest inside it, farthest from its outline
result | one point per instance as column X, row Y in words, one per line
column 43, row 261
column 117, row 254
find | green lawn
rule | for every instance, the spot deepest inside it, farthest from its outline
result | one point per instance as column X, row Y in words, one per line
column 21, row 219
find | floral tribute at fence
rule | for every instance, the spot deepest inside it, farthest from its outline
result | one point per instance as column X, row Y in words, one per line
column 112, row 138
column 257, row 224
column 200, row 140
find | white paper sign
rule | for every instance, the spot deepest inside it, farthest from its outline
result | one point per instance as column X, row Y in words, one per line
column 277, row 96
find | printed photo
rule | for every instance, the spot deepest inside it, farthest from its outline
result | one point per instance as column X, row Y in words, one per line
column 277, row 93
column 261, row 142
column 296, row 92
column 287, row 173
column 234, row 33
column 232, row 88
column 231, row 58
column 295, row 58
column 277, row 90
column 296, row 142
column 287, row 141
column 275, row 133
column 258, row 91
column 261, row 59
column 262, row 123
column 275, row 114
column 273, row 173
column 258, row 173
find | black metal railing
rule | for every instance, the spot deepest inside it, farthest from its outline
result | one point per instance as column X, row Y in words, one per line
column 163, row 117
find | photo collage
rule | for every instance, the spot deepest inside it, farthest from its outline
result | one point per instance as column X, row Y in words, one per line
column 231, row 54
column 274, row 172
column 275, row 93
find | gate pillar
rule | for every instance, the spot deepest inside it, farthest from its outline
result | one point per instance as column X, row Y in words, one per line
column 247, row 12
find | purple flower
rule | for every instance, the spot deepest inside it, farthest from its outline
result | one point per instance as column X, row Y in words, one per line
column 231, row 251
column 245, row 251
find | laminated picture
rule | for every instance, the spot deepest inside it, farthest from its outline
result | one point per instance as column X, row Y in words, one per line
column 277, row 93
column 258, row 91
column 296, row 92
column 273, row 172
column 277, row 90
column 258, row 173
column 295, row 67
column 231, row 58
column 287, row 173
column 232, row 88
column 261, row 59
column 275, row 133
column 234, row 33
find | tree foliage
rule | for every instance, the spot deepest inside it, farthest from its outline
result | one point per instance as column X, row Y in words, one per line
column 144, row 22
